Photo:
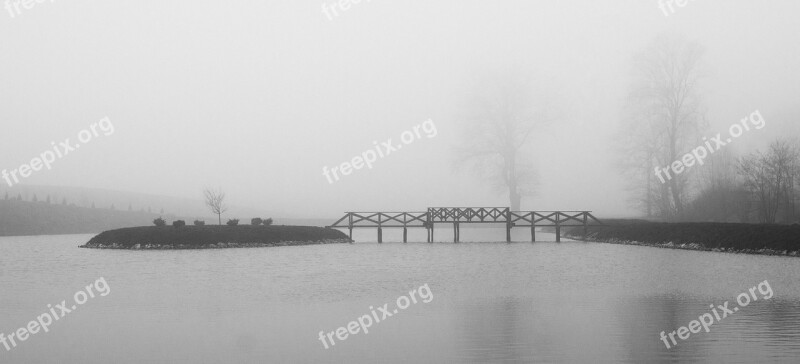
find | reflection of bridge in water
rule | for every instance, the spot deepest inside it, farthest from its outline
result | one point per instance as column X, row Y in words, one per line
column 466, row 215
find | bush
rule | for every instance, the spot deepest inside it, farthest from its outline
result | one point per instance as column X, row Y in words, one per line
column 256, row 221
column 267, row 222
column 199, row 222
column 233, row 222
column 178, row 223
column 159, row 222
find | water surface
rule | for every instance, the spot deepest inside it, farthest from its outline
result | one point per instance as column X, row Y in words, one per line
column 493, row 302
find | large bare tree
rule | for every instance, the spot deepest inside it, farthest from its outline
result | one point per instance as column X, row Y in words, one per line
column 498, row 125
column 663, row 119
column 215, row 200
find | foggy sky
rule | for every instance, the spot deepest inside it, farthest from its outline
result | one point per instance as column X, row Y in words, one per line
column 256, row 97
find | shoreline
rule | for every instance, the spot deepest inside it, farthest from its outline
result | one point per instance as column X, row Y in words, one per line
column 756, row 239
column 226, row 245
column 686, row 246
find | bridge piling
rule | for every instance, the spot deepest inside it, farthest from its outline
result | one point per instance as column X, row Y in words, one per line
column 350, row 224
column 558, row 227
column 586, row 225
column 380, row 229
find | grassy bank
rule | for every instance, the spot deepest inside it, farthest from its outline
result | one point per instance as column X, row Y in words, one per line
column 214, row 236
column 740, row 238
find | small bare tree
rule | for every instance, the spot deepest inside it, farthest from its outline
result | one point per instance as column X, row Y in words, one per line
column 215, row 200
column 770, row 177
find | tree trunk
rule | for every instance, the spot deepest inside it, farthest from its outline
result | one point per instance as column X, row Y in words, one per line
column 511, row 180
column 676, row 197
column 648, row 191
column 515, row 200
column 673, row 155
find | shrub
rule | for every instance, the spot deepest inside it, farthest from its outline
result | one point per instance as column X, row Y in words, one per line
column 233, row 222
column 199, row 222
column 256, row 221
column 159, row 222
column 178, row 223
column 268, row 222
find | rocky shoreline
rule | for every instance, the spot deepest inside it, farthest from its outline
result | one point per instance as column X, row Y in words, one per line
column 221, row 245
column 737, row 238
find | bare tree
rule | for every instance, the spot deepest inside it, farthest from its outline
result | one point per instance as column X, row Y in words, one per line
column 720, row 170
column 663, row 120
column 215, row 200
column 771, row 178
column 637, row 164
column 722, row 197
column 499, row 123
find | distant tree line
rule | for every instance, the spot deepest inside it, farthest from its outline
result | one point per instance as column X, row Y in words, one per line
column 18, row 217
column 757, row 187
column 48, row 200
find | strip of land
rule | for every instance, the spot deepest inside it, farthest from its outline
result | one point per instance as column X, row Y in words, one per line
column 721, row 237
column 214, row 237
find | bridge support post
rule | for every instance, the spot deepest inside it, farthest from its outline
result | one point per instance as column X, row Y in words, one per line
column 432, row 238
column 585, row 226
column 533, row 231
column 455, row 232
column 558, row 227
column 508, row 226
column 350, row 224
column 380, row 228
column 405, row 234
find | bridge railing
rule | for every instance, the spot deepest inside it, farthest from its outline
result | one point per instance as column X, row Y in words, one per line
column 382, row 219
column 552, row 218
column 468, row 214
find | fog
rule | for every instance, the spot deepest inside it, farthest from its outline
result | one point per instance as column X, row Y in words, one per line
column 258, row 97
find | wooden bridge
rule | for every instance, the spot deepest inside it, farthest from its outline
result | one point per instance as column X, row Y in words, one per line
column 466, row 215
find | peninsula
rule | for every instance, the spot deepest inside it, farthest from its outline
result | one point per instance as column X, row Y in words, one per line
column 214, row 237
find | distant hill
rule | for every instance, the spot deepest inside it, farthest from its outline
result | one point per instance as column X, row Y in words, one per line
column 123, row 200
column 40, row 218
